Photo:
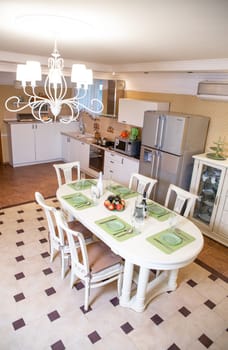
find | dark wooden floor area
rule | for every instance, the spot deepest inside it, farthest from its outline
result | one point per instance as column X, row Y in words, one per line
column 18, row 185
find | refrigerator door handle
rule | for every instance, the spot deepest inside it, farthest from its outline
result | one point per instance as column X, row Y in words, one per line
column 157, row 164
column 162, row 131
column 156, row 132
column 152, row 164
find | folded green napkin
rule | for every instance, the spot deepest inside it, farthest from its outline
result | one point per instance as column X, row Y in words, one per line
column 158, row 212
column 170, row 240
column 122, row 191
column 78, row 200
column 82, row 184
column 116, row 227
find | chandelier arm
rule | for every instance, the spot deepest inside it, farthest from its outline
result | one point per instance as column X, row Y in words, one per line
column 55, row 91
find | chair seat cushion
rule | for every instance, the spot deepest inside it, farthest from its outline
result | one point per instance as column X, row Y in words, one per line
column 76, row 226
column 79, row 227
column 101, row 257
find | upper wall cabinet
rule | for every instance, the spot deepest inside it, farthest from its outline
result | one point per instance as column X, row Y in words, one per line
column 132, row 111
column 107, row 91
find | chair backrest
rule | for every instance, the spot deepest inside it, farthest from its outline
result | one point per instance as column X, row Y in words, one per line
column 141, row 183
column 78, row 251
column 51, row 219
column 182, row 198
column 64, row 171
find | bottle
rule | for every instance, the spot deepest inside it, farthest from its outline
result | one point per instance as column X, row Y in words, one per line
column 144, row 203
column 100, row 184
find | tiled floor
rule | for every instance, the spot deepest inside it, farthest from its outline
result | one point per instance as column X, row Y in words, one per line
column 40, row 311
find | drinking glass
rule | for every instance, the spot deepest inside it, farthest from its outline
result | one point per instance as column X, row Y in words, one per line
column 82, row 178
column 94, row 194
column 137, row 215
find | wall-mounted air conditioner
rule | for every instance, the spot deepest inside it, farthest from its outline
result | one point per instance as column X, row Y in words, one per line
column 213, row 90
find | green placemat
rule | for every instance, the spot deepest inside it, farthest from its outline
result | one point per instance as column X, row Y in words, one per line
column 78, row 200
column 122, row 191
column 116, row 227
column 158, row 212
column 170, row 240
column 82, row 184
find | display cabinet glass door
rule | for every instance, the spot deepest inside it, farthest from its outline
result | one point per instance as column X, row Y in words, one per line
column 207, row 191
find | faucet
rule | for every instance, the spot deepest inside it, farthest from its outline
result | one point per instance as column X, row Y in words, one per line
column 81, row 126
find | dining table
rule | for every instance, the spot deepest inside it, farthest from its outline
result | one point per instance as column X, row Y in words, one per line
column 152, row 255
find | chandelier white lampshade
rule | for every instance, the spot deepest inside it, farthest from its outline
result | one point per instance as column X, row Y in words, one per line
column 54, row 90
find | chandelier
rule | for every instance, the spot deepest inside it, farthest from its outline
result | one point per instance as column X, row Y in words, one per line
column 46, row 107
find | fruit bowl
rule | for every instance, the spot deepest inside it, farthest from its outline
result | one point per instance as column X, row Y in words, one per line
column 114, row 203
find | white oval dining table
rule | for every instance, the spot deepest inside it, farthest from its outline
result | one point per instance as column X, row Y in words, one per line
column 137, row 251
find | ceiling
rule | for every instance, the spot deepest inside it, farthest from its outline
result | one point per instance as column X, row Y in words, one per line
column 110, row 35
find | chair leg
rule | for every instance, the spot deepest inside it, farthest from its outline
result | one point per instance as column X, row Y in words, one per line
column 119, row 284
column 52, row 250
column 87, row 292
column 71, row 278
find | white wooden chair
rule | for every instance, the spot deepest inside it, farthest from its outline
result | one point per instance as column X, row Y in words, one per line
column 141, row 183
column 181, row 198
column 64, row 172
column 95, row 264
column 57, row 241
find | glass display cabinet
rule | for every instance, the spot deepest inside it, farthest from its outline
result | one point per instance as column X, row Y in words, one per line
column 210, row 183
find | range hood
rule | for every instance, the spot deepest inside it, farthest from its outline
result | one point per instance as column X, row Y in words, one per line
column 213, row 90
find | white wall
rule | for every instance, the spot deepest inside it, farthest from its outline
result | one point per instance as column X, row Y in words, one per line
column 175, row 83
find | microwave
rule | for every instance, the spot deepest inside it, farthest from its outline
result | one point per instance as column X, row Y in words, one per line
column 126, row 146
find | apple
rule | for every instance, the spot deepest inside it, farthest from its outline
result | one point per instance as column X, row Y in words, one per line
column 107, row 203
column 119, row 207
column 111, row 207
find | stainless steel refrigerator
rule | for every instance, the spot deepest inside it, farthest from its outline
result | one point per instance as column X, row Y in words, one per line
column 169, row 140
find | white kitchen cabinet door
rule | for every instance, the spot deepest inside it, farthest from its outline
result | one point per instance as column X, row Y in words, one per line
column 69, row 149
column 119, row 168
column 113, row 166
column 130, row 166
column 22, row 144
column 48, row 142
column 132, row 111
column 83, row 152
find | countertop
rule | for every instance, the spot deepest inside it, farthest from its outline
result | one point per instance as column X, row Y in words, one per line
column 89, row 139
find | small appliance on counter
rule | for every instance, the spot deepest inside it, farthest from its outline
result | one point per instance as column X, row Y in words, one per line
column 127, row 146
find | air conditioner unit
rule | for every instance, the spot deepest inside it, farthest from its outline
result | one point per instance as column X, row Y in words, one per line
column 213, row 90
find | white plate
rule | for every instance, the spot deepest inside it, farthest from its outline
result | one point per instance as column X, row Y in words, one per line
column 171, row 238
column 115, row 225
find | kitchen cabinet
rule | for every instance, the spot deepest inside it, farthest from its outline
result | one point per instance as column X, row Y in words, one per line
column 210, row 183
column 69, row 149
column 31, row 143
column 75, row 150
column 119, row 168
column 132, row 111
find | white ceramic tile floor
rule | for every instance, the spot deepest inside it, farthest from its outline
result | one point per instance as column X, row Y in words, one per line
column 196, row 310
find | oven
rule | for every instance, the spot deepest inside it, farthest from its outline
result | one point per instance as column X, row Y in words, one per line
column 96, row 158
